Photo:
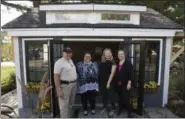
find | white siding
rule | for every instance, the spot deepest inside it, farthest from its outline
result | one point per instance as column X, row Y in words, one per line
column 92, row 32
column 90, row 17
column 91, row 7
column 167, row 69
column 18, row 72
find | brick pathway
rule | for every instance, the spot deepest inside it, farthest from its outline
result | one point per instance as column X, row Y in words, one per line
column 149, row 112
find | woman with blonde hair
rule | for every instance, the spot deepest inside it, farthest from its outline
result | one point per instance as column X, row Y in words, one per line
column 106, row 73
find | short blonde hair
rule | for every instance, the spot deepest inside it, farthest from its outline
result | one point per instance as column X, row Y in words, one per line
column 103, row 59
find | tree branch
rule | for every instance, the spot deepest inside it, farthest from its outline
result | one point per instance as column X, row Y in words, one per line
column 20, row 7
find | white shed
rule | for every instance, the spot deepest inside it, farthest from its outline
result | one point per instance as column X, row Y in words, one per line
column 146, row 35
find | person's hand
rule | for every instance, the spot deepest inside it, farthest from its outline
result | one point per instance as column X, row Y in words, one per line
column 128, row 86
column 108, row 85
column 59, row 94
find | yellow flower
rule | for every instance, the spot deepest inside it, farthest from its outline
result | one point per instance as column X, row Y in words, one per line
column 42, row 107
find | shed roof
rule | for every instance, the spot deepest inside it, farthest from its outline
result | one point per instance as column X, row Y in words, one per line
column 36, row 19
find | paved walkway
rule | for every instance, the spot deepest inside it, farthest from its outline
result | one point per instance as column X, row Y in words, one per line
column 155, row 112
column 149, row 112
column 104, row 115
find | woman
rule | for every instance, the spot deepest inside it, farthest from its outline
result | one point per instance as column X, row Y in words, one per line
column 124, row 80
column 87, row 72
column 106, row 73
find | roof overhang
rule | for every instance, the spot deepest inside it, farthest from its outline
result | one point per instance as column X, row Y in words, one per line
column 179, row 34
column 102, row 32
column 92, row 7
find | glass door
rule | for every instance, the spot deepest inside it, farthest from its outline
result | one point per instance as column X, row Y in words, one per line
column 55, row 51
column 135, row 53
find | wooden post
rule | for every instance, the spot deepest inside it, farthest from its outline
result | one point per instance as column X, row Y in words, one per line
column 13, row 48
column 172, row 49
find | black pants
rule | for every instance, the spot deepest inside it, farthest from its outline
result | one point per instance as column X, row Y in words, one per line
column 108, row 98
column 89, row 96
column 124, row 99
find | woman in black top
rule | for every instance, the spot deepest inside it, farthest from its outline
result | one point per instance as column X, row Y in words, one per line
column 124, row 80
column 106, row 73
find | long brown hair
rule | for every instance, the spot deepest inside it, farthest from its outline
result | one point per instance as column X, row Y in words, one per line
column 103, row 55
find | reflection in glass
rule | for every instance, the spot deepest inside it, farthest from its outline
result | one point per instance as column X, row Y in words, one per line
column 37, row 60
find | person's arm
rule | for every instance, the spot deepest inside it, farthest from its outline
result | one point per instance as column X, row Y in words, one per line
column 113, row 70
column 130, row 76
column 57, row 70
column 57, row 82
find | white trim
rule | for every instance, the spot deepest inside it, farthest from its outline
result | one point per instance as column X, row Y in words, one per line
column 166, row 71
column 132, row 53
column 90, row 29
column 32, row 39
column 160, row 61
column 92, row 39
column 71, row 7
column 160, row 54
column 134, row 8
column 92, row 32
column 93, row 7
column 18, row 72
column 24, row 61
column 24, row 52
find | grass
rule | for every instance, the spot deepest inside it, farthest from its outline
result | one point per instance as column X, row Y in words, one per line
column 7, row 79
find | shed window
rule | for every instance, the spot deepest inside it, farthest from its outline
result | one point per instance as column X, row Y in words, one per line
column 60, row 17
column 36, row 60
column 118, row 17
column 152, row 60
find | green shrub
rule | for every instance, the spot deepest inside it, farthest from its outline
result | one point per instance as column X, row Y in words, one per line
column 176, row 93
column 7, row 52
column 7, row 79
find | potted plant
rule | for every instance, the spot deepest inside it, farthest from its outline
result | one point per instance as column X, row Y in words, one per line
column 150, row 86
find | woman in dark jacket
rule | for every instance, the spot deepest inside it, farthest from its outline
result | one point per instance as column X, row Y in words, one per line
column 107, row 70
column 124, row 80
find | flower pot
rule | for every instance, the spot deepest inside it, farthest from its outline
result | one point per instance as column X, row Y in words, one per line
column 148, row 90
column 145, row 90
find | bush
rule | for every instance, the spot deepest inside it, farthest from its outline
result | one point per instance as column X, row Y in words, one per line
column 177, row 92
column 7, row 80
column 7, row 52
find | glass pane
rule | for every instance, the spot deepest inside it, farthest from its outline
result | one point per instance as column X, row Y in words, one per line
column 37, row 75
column 37, row 55
column 152, row 60
column 70, row 16
column 110, row 16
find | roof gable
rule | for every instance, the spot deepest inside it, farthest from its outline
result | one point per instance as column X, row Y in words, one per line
column 148, row 19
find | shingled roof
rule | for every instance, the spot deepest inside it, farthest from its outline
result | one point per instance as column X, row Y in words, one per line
column 149, row 19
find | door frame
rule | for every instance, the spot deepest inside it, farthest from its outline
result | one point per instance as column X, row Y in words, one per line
column 141, row 71
column 55, row 104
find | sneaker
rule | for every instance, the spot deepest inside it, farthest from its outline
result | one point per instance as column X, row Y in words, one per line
column 93, row 112
column 85, row 113
column 111, row 114
column 103, row 110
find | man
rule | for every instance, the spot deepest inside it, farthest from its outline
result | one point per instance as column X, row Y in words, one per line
column 65, row 81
